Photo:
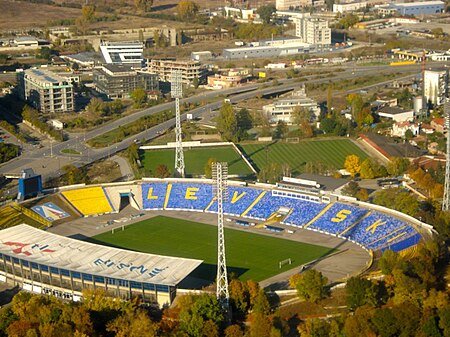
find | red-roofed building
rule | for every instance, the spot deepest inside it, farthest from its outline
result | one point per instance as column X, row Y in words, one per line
column 438, row 124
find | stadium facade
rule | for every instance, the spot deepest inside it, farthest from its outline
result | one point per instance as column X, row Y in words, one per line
column 47, row 263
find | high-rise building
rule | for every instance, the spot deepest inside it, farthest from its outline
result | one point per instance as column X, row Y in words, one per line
column 313, row 30
column 131, row 53
column 46, row 91
column 435, row 86
column 117, row 81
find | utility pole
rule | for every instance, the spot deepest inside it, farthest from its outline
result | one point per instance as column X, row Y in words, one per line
column 177, row 92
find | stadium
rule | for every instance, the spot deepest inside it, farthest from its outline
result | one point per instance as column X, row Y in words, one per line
column 264, row 224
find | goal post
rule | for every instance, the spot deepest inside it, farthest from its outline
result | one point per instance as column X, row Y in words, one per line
column 284, row 262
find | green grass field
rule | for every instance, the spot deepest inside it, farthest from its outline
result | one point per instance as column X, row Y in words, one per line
column 196, row 159
column 331, row 152
column 251, row 256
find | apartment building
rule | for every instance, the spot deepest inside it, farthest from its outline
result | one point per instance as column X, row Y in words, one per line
column 313, row 30
column 436, row 86
column 189, row 69
column 117, row 81
column 46, row 91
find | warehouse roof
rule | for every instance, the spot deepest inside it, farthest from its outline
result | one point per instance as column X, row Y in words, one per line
column 46, row 248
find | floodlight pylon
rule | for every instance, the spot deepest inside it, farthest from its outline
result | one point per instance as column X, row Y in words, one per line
column 446, row 200
column 220, row 191
column 176, row 90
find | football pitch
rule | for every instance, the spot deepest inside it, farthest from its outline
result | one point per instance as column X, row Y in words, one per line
column 196, row 159
column 331, row 152
column 249, row 255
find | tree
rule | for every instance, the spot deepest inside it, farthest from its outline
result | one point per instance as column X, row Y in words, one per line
column 300, row 115
column 311, row 285
column 327, row 125
column 133, row 324
column 88, row 13
column 161, row 171
column 281, row 130
column 397, row 166
column 187, row 9
column 352, row 164
column 208, row 167
column 226, row 122
column 362, row 194
column 265, row 12
column 244, row 122
column 195, row 82
column 360, row 292
column 270, row 173
column 409, row 135
column 143, row 5
column 329, row 99
column 234, row 331
column 351, row 189
column 367, row 171
column 139, row 97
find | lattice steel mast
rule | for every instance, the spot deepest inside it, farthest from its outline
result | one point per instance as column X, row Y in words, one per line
column 176, row 90
column 220, row 175
column 446, row 200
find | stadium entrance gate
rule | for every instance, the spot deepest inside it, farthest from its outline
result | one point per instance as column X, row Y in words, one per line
column 124, row 199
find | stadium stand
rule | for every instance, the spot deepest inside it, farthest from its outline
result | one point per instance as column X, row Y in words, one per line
column 192, row 196
column 337, row 218
column 239, row 199
column 12, row 215
column 153, row 195
column 371, row 229
column 89, row 201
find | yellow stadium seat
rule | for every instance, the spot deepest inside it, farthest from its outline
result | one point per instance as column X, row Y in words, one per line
column 89, row 201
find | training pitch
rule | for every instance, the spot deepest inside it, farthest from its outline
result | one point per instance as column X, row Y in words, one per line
column 196, row 159
column 251, row 256
column 330, row 152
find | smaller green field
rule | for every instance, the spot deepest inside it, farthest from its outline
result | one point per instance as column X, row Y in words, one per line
column 330, row 152
column 70, row 151
column 249, row 255
column 196, row 159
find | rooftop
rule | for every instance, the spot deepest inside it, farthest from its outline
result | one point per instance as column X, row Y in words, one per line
column 44, row 75
column 46, row 248
column 392, row 110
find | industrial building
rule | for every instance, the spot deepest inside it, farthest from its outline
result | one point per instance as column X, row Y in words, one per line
column 189, row 69
column 117, row 81
column 49, row 264
column 46, row 91
column 313, row 30
column 282, row 109
column 435, row 86
column 131, row 53
column 411, row 8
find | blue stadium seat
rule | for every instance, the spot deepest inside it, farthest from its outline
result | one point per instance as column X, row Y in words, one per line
column 239, row 199
column 153, row 195
column 189, row 196
column 374, row 227
column 338, row 217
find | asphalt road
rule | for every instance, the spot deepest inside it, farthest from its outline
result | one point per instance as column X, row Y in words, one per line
column 48, row 160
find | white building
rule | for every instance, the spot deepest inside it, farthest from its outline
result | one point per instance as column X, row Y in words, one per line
column 412, row 8
column 396, row 114
column 46, row 91
column 313, row 30
column 292, row 4
column 399, row 129
column 436, row 86
column 283, row 108
column 349, row 7
column 131, row 53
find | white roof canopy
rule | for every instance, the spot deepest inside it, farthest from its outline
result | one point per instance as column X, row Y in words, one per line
column 35, row 245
